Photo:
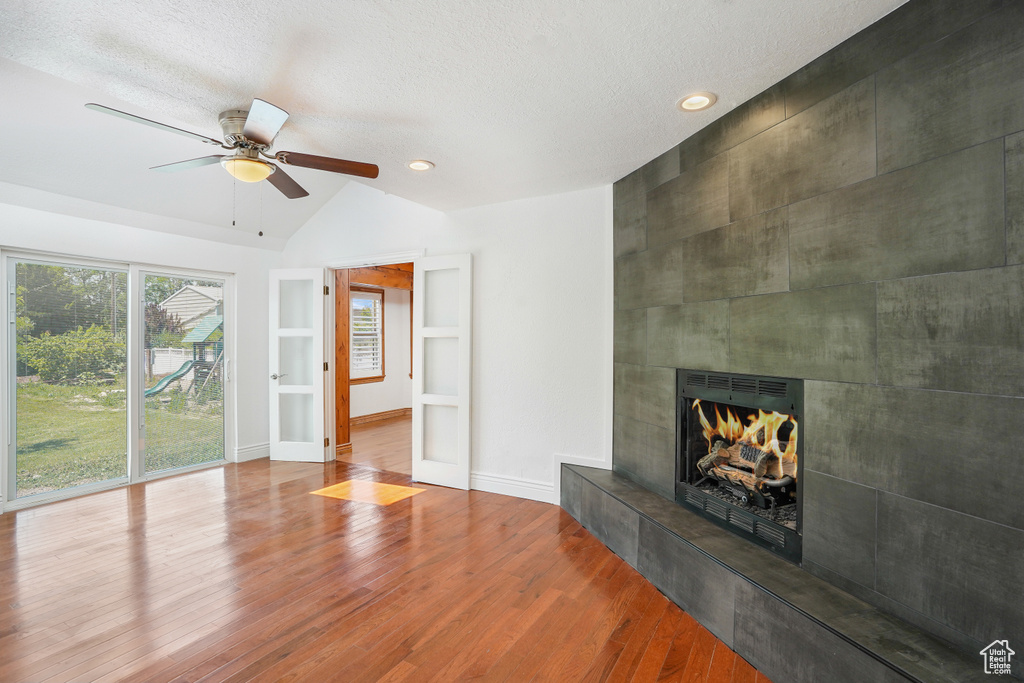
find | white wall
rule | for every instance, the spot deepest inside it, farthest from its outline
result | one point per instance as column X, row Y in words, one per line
column 33, row 229
column 396, row 390
column 542, row 311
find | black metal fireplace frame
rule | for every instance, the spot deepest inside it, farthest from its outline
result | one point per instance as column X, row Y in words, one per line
column 781, row 394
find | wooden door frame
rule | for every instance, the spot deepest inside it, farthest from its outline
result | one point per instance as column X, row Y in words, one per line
column 382, row 275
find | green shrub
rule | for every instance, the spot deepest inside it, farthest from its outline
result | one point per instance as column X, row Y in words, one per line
column 78, row 356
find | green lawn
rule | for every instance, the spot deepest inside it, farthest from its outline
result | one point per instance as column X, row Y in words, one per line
column 73, row 435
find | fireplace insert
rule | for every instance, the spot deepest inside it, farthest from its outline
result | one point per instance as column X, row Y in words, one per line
column 738, row 454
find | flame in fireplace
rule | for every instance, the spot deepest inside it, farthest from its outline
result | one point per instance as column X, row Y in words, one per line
column 761, row 430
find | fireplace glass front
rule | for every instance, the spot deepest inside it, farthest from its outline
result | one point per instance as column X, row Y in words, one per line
column 738, row 454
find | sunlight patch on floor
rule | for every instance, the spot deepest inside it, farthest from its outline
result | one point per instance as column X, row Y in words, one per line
column 368, row 492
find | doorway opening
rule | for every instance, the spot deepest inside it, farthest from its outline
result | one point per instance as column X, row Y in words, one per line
column 373, row 365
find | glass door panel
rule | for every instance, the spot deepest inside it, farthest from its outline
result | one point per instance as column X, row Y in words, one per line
column 183, row 372
column 70, row 359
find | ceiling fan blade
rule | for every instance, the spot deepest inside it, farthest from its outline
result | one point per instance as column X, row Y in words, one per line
column 154, row 124
column 263, row 122
column 289, row 188
column 329, row 164
column 191, row 163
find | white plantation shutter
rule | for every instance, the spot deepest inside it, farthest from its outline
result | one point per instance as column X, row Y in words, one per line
column 367, row 325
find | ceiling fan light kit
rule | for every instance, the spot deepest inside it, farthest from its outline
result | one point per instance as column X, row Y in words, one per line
column 248, row 134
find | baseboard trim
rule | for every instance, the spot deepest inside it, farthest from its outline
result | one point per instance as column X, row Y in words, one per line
column 384, row 415
column 253, row 452
column 343, row 448
column 513, row 486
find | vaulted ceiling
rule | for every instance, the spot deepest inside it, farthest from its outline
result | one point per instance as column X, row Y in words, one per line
column 509, row 100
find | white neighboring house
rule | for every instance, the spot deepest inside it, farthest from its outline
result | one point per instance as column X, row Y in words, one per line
column 192, row 303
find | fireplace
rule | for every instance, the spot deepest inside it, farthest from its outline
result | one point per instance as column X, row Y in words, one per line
column 738, row 454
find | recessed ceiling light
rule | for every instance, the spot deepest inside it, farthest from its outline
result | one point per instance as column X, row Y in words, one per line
column 421, row 165
column 697, row 101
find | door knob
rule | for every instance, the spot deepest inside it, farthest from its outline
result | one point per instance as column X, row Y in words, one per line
column 276, row 376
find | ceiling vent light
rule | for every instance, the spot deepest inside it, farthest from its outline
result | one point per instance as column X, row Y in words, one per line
column 421, row 165
column 698, row 101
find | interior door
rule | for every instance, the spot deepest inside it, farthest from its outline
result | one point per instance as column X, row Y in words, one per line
column 442, row 343
column 296, row 373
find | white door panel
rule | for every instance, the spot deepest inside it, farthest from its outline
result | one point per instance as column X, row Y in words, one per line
column 296, row 365
column 442, row 344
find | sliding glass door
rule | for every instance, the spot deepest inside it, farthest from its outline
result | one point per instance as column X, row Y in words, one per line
column 183, row 372
column 69, row 413
column 115, row 374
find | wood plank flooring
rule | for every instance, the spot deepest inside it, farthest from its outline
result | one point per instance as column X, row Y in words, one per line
column 240, row 574
column 384, row 444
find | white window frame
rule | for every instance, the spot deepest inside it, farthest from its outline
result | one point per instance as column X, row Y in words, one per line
column 374, row 373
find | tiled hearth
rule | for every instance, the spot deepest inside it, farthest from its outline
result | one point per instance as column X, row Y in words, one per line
column 787, row 623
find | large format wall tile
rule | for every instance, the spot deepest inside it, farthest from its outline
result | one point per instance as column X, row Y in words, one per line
column 646, row 454
column 954, row 568
column 826, row 333
column 696, row 201
column 614, row 523
column 935, row 217
column 650, row 278
column 905, row 30
column 631, row 336
column 629, row 214
column 646, row 394
column 748, row 257
column 788, row 645
column 958, row 331
column 757, row 114
column 661, row 169
column 955, row 450
column 925, row 111
column 830, row 145
column 1015, row 198
column 689, row 336
column 570, row 491
column 839, row 525
column 698, row 584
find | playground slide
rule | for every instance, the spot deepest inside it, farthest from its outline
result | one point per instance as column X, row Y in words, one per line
column 177, row 374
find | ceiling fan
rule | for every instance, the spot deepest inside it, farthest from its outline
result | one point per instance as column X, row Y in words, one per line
column 249, row 135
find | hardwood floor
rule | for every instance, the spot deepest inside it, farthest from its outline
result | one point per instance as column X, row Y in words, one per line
column 240, row 574
column 384, row 444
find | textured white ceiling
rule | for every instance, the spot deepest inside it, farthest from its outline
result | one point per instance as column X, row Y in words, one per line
column 509, row 99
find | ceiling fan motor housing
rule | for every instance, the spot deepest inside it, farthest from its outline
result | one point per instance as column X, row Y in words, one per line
column 232, row 122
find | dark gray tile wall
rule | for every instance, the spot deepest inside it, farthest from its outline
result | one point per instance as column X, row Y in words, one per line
column 748, row 257
column 956, row 331
column 645, row 452
column 908, row 28
column 958, row 569
column 613, row 522
column 693, row 202
column 826, row 333
column 689, row 578
column 938, row 216
column 690, row 335
column 835, row 137
column 920, row 444
column 1015, row 198
column 924, row 111
column 839, row 526
column 873, row 245
column 784, row 642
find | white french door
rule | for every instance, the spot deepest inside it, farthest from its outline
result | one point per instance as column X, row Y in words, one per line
column 442, row 344
column 297, row 374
